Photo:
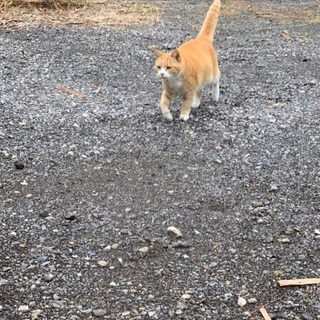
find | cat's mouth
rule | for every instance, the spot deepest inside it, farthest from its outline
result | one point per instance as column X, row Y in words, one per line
column 163, row 75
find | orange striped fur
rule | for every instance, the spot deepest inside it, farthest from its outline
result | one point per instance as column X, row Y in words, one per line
column 187, row 69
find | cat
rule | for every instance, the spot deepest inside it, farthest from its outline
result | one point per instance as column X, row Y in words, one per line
column 190, row 67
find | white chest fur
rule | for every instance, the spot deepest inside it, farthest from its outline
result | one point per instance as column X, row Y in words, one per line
column 173, row 84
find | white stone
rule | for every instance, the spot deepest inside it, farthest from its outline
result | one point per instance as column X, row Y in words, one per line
column 144, row 250
column 242, row 302
column 115, row 246
column 102, row 263
column 35, row 314
column 152, row 313
column 125, row 314
column 186, row 296
column 23, row 308
column 174, row 232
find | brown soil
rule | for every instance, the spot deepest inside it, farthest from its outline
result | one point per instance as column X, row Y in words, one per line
column 93, row 13
column 33, row 13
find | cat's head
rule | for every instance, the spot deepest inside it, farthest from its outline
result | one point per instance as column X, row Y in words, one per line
column 167, row 65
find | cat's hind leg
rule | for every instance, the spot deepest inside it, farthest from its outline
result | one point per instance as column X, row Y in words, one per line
column 166, row 98
column 197, row 98
column 215, row 88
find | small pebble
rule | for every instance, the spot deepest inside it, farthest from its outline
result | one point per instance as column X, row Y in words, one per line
column 102, row 263
column 125, row 232
column 48, row 277
column 179, row 311
column 152, row 313
column 89, row 310
column 306, row 316
column 19, row 165
column 274, row 187
column 242, row 302
column 213, row 264
column 174, row 233
column 144, row 250
column 228, row 297
column 3, row 281
column 57, row 304
column 181, row 244
column 23, row 308
column 70, row 216
column 222, row 271
column 252, row 300
column 99, row 312
column 35, row 314
column 6, row 154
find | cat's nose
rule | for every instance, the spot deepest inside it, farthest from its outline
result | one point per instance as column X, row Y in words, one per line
column 161, row 74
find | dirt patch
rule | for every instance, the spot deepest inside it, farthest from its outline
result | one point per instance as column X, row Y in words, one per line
column 93, row 13
column 293, row 11
column 33, row 13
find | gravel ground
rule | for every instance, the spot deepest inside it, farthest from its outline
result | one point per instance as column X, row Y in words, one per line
column 89, row 187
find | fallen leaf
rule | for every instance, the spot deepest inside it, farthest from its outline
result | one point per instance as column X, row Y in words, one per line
column 73, row 92
column 286, row 36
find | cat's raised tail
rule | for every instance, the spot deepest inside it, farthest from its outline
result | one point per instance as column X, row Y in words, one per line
column 211, row 20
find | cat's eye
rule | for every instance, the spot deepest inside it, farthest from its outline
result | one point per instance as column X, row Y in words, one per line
column 159, row 67
column 168, row 68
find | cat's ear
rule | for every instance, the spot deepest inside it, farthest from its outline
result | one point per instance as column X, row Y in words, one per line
column 176, row 55
column 157, row 52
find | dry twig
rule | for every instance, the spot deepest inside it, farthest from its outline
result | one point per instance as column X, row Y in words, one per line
column 298, row 282
column 264, row 313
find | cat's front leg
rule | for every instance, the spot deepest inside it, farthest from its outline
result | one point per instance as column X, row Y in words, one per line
column 186, row 106
column 166, row 98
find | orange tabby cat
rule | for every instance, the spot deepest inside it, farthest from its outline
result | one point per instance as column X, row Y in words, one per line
column 190, row 67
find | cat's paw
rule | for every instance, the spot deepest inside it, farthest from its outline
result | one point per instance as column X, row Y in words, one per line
column 196, row 103
column 215, row 98
column 168, row 116
column 184, row 117
column 215, row 94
